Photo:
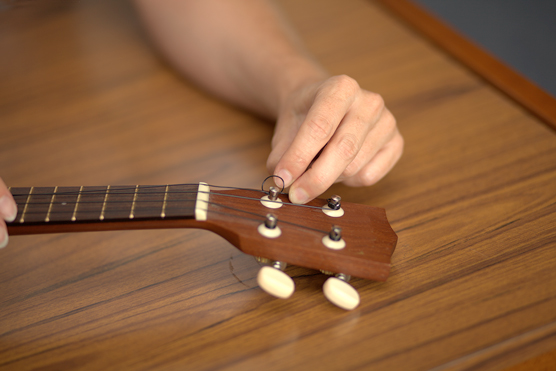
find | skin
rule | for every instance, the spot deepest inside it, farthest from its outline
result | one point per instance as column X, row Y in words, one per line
column 248, row 55
column 328, row 129
column 8, row 211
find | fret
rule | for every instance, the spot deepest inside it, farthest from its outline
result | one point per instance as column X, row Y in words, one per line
column 163, row 212
column 55, row 205
column 64, row 204
column 47, row 219
column 73, row 217
column 118, row 203
column 32, row 203
column 39, row 204
column 101, row 217
column 19, row 194
column 22, row 219
column 131, row 215
column 149, row 202
column 90, row 203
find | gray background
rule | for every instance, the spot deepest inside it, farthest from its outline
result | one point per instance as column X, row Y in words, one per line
column 522, row 33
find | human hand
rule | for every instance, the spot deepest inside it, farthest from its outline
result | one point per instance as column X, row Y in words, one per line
column 8, row 211
column 333, row 131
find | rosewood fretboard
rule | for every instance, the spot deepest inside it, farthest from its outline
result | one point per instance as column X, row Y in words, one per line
column 42, row 206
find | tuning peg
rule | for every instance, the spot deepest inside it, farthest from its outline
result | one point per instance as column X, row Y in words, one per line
column 339, row 292
column 333, row 240
column 271, row 200
column 269, row 227
column 334, row 202
column 275, row 282
column 333, row 207
column 273, row 193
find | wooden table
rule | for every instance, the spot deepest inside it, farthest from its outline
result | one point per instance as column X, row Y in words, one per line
column 84, row 100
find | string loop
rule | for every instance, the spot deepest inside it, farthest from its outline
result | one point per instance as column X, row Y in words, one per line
column 273, row 176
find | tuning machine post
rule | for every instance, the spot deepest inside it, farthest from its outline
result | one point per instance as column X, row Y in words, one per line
column 269, row 228
column 333, row 207
column 333, row 240
column 334, row 202
column 271, row 200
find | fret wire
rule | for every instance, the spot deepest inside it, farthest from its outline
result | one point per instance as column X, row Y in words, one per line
column 101, row 217
column 179, row 208
column 22, row 219
column 47, row 219
column 163, row 213
column 131, row 216
column 73, row 217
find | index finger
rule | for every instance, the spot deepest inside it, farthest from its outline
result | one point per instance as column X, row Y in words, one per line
column 330, row 105
column 8, row 209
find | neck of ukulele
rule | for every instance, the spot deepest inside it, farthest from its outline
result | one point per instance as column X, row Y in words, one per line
column 68, row 209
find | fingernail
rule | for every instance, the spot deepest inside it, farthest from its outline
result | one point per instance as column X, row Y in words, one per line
column 7, row 209
column 284, row 174
column 3, row 239
column 299, row 196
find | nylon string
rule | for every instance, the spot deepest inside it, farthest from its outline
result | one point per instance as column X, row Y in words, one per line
column 131, row 190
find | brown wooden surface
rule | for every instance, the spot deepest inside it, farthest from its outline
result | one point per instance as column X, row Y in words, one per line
column 510, row 81
column 85, row 100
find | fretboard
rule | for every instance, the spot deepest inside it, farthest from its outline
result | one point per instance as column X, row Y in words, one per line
column 61, row 205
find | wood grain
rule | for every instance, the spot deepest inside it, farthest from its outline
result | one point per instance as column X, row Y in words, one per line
column 369, row 239
column 508, row 80
column 85, row 100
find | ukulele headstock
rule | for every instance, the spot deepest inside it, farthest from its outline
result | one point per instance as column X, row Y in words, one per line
column 305, row 235
column 355, row 240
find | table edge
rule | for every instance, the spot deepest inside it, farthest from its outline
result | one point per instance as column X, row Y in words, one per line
column 493, row 70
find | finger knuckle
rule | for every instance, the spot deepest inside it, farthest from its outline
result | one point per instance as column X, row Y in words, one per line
column 347, row 82
column 320, row 128
column 375, row 100
column 348, row 146
column 319, row 181
column 299, row 158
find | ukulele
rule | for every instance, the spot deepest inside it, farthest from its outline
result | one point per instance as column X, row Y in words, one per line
column 341, row 239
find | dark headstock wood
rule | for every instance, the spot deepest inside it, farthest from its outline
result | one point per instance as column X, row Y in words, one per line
column 370, row 240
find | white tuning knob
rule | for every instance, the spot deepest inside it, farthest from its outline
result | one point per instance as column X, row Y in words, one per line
column 275, row 282
column 341, row 293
